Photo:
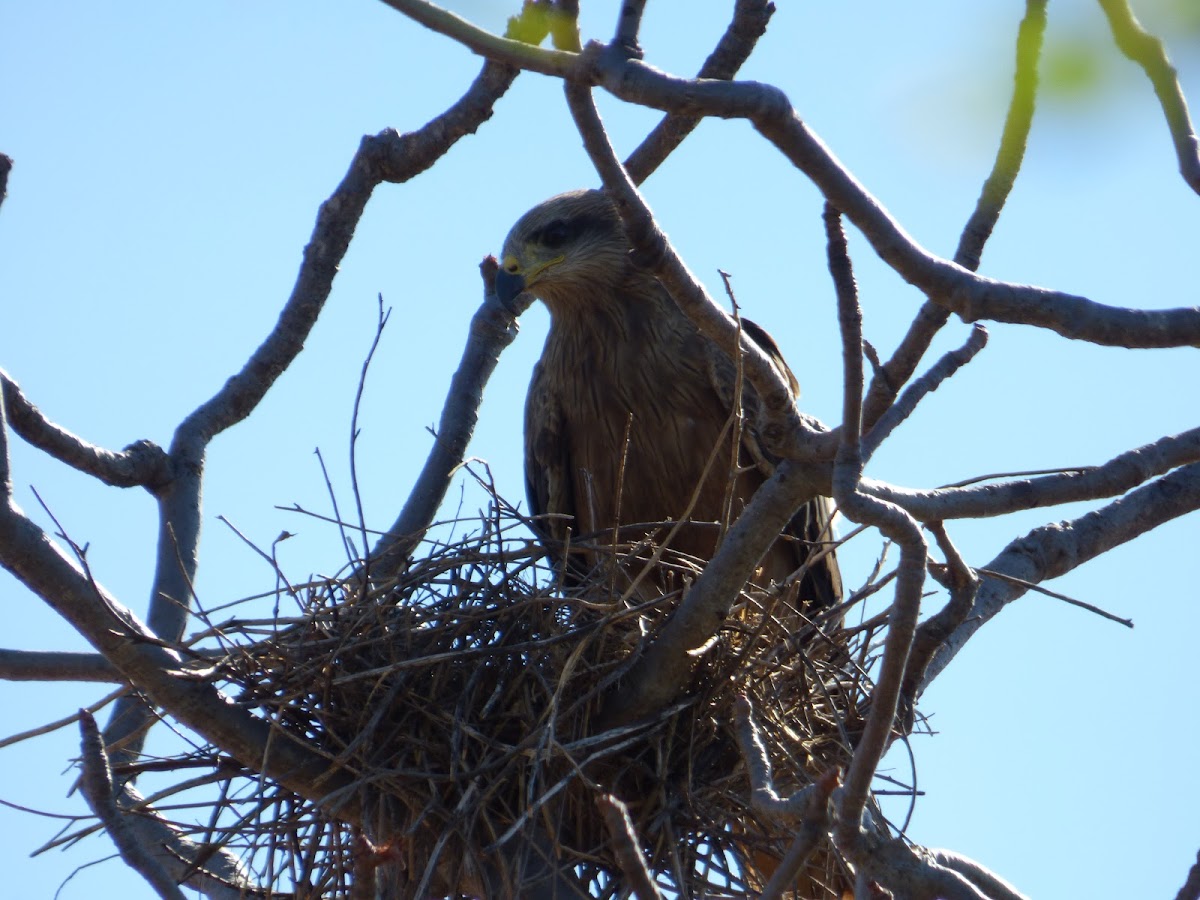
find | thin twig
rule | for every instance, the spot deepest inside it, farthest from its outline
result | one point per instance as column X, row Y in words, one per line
column 1055, row 549
column 61, row 723
column 1031, row 586
column 381, row 321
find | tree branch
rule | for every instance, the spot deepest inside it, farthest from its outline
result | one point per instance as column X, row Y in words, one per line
column 894, row 523
column 749, row 23
column 1055, row 549
column 27, row 552
column 1191, row 887
column 142, row 463
column 56, row 665
column 963, row 585
column 6, row 164
column 96, row 784
column 996, row 188
column 493, row 328
column 987, row 881
column 629, row 22
column 388, row 156
column 942, row 370
column 661, row 673
column 1148, row 52
column 948, row 284
column 1121, row 473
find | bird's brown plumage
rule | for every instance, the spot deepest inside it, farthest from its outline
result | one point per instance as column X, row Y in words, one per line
column 629, row 400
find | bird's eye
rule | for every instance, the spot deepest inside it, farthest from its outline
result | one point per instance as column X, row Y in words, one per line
column 555, row 234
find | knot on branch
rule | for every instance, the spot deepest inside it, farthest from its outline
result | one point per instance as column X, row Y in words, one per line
column 149, row 465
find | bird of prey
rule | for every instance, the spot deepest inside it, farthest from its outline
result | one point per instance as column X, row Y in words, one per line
column 628, row 417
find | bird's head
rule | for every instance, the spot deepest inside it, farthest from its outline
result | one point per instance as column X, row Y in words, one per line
column 568, row 245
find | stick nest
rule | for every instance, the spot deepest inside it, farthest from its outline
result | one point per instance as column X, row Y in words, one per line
column 464, row 697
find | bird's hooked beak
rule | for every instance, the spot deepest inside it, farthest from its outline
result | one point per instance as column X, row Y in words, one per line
column 513, row 278
column 510, row 281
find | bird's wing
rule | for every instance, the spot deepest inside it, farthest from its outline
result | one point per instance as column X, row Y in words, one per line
column 821, row 586
column 548, row 479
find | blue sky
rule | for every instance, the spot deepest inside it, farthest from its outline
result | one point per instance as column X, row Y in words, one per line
column 170, row 160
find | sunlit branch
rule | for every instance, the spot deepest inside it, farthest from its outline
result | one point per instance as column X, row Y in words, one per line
column 948, row 284
column 97, row 787
column 386, row 157
column 142, row 463
column 625, row 845
column 895, row 524
column 1119, row 474
column 493, row 328
column 996, row 188
column 629, row 22
column 750, row 18
column 987, row 881
column 937, row 375
column 1055, row 549
column 1148, row 52
column 56, row 665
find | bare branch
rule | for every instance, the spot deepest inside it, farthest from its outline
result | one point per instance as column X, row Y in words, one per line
column 763, row 795
column 493, row 328
column 28, row 553
column 991, row 884
column 942, row 370
column 96, row 784
column 1191, row 887
column 72, row 719
column 996, row 188
column 1121, row 473
column 625, row 843
column 142, row 463
column 894, row 523
column 1148, row 52
column 214, row 871
column 963, row 585
column 813, row 829
column 1046, row 592
column 5, row 462
column 6, row 164
column 912, row 872
column 1055, row 549
column 388, row 156
column 749, row 23
column 629, row 22
column 56, row 665
column 810, row 805
column 948, row 284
